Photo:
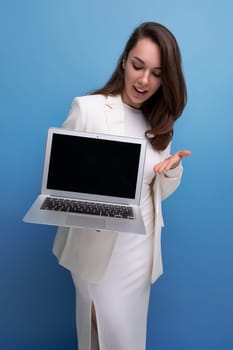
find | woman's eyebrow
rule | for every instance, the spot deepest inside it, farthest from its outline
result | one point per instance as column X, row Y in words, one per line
column 141, row 61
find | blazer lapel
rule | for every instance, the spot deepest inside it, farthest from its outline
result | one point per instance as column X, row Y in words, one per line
column 115, row 115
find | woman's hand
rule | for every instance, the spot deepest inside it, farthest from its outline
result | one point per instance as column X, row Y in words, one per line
column 171, row 162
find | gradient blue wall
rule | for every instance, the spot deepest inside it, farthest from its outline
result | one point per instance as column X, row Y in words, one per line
column 53, row 50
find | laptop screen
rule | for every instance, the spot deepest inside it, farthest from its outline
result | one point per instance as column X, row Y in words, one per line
column 93, row 166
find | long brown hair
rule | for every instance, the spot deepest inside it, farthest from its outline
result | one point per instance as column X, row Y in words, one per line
column 163, row 108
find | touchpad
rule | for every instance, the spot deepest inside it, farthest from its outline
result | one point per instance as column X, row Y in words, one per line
column 88, row 222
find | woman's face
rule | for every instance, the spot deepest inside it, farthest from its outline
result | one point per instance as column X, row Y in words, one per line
column 142, row 70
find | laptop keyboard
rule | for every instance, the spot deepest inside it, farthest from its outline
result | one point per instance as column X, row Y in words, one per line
column 90, row 208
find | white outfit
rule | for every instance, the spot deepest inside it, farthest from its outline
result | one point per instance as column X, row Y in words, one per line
column 118, row 278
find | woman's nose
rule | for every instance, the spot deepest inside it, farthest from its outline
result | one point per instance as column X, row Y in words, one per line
column 145, row 77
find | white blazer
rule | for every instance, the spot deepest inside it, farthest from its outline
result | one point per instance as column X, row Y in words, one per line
column 87, row 252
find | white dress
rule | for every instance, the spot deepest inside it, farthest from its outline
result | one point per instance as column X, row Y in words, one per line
column 121, row 297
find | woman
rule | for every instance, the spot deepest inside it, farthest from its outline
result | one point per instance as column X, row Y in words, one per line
column 112, row 272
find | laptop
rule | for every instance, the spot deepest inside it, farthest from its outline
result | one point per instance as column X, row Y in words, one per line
column 91, row 181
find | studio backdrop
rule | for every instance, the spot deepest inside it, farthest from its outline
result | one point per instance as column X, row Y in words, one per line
column 54, row 50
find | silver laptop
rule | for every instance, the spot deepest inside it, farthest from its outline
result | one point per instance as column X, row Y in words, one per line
column 91, row 181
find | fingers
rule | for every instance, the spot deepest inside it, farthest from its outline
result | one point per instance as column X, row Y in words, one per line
column 171, row 162
column 167, row 164
column 184, row 153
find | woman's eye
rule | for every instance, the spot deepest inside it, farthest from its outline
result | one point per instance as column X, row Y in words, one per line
column 136, row 66
column 157, row 75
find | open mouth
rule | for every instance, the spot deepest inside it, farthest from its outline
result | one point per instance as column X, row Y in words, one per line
column 139, row 91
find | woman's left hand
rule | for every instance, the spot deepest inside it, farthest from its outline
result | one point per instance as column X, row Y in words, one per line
column 171, row 162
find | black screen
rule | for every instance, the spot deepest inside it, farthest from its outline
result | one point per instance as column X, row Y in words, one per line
column 93, row 166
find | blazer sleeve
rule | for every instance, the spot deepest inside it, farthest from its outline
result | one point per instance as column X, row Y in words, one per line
column 170, row 179
column 74, row 121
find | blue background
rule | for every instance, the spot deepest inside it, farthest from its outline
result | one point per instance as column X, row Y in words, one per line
column 53, row 50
